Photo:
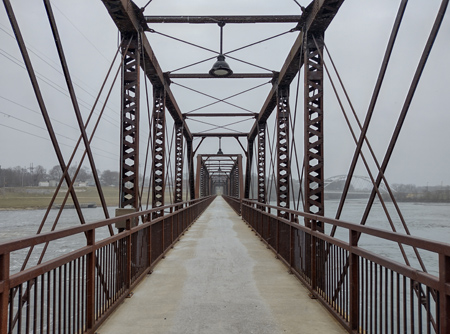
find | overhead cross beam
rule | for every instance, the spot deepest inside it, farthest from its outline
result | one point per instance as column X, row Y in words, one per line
column 222, row 134
column 224, row 19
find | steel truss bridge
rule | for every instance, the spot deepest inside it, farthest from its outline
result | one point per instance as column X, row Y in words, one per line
column 366, row 292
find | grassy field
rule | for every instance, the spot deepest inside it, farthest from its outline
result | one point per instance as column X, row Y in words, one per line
column 39, row 197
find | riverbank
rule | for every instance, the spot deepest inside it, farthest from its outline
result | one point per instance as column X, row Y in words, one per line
column 22, row 198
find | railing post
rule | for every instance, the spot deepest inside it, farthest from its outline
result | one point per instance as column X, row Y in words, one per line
column 354, row 281
column 444, row 300
column 129, row 258
column 4, row 295
column 313, row 258
column 90, row 281
column 149, row 244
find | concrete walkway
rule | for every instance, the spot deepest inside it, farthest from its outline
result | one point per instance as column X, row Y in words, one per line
column 220, row 278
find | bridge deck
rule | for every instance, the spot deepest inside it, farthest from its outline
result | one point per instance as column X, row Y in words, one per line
column 220, row 278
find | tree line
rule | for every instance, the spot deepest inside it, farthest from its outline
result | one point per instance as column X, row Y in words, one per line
column 34, row 175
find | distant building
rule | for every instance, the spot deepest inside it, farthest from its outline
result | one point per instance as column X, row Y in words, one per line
column 44, row 184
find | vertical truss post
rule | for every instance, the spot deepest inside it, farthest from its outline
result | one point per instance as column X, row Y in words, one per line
column 240, row 177
column 178, row 194
column 262, row 163
column 198, row 176
column 190, row 156
column 248, row 169
column 234, row 185
column 159, row 126
column 283, row 159
column 203, row 184
column 204, row 181
column 129, row 138
column 236, row 179
column 314, row 160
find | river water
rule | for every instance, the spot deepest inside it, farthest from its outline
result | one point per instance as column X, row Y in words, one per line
column 426, row 220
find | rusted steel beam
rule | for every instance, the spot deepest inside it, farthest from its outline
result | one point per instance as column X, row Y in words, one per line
column 219, row 156
column 282, row 151
column 190, row 157
column 261, row 167
column 75, row 105
column 209, row 76
column 317, row 17
column 129, row 19
column 179, row 159
column 42, row 106
column 129, row 120
column 248, row 169
column 241, row 177
column 225, row 19
column 220, row 134
column 220, row 115
column 159, row 140
column 313, row 128
column 373, row 101
column 406, row 104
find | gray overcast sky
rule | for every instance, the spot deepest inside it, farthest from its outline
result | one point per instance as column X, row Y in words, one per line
column 356, row 39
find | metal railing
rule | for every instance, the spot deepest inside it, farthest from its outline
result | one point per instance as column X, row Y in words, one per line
column 366, row 292
column 76, row 292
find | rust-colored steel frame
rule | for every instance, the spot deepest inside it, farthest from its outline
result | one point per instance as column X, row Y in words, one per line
column 232, row 76
column 129, row 131
column 248, row 169
column 261, row 167
column 42, row 106
column 190, row 157
column 202, row 181
column 313, row 123
column 179, row 159
column 224, row 19
column 282, row 146
column 159, row 151
column 208, row 174
column 234, row 181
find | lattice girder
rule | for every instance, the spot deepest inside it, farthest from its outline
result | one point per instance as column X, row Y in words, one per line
column 129, row 140
column 314, row 139
column 158, row 184
column 283, row 158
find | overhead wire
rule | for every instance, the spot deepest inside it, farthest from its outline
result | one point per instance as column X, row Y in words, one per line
column 229, row 97
column 47, row 60
column 225, row 53
column 49, row 82
column 79, row 31
column 220, row 126
column 212, row 97
column 53, row 119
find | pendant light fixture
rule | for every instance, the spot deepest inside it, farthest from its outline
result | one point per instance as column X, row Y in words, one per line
column 220, row 68
column 219, row 152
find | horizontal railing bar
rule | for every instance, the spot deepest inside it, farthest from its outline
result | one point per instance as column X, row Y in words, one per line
column 334, row 270
column 97, row 264
column 33, row 240
column 40, row 269
column 416, row 275
column 426, row 244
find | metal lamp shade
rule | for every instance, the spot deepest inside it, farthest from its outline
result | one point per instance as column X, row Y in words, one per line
column 220, row 68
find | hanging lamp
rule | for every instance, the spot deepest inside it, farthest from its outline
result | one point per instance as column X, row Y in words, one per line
column 220, row 68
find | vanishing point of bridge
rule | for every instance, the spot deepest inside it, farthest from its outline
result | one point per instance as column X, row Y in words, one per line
column 277, row 193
